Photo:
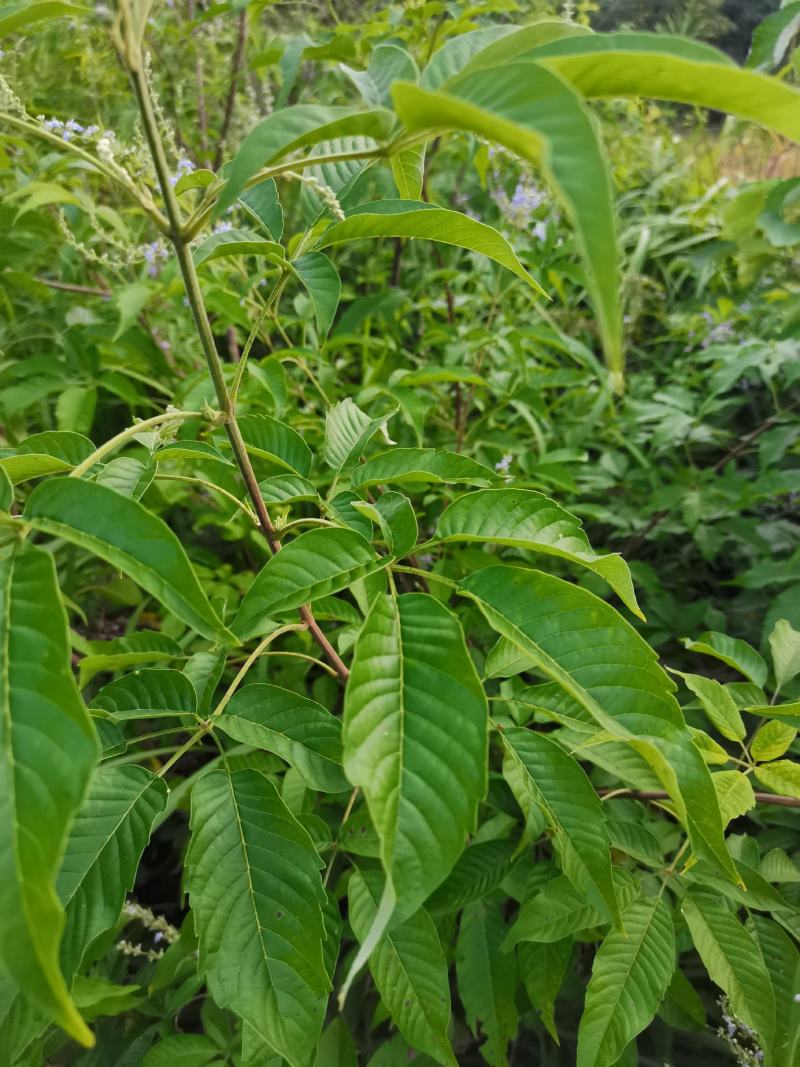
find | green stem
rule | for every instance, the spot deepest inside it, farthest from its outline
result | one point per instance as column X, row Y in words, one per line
column 179, row 235
column 248, row 663
column 274, row 296
column 213, row 488
column 128, row 434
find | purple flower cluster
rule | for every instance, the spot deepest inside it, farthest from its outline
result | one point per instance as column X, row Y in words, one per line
column 69, row 129
column 154, row 254
column 185, row 166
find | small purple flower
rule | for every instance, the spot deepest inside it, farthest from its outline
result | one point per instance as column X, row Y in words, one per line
column 504, row 463
column 185, row 166
column 540, row 231
column 223, row 227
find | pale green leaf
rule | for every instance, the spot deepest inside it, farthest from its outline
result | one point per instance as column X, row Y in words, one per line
column 415, row 741
column 348, row 430
column 127, row 476
column 734, row 794
column 408, row 171
column 124, row 534
column 408, row 968
column 294, row 727
column 782, row 776
column 103, row 850
column 190, row 450
column 257, row 900
column 630, row 976
column 418, row 219
column 526, row 519
column 48, row 749
column 605, row 668
column 148, row 693
column 51, row 452
column 236, row 243
column 717, row 703
column 395, row 516
column 559, row 786
column 273, row 440
column 283, row 488
column 318, row 562
column 771, row 741
column 733, row 961
column 321, row 280
column 16, row 18
column 487, row 979
column 421, row 466
column 784, row 643
column 736, row 653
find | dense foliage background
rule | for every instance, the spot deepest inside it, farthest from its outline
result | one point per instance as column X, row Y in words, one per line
column 692, row 474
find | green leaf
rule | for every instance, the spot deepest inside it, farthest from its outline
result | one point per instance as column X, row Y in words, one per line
column 782, row 776
column 257, row 900
column 771, row 741
column 263, row 203
column 542, row 968
column 387, row 63
column 478, row 870
column 51, row 452
column 182, row 1050
column 734, row 794
column 275, row 441
column 487, row 979
column 721, row 86
column 318, row 562
column 782, row 960
column 408, row 171
column 6, row 491
column 559, row 786
column 784, row 643
column 630, row 976
column 348, row 431
column 75, row 408
column 48, row 749
column 127, row 476
column 737, row 654
column 534, row 114
column 105, row 845
column 297, row 729
column 415, row 741
column 416, row 218
column 124, row 534
column 395, row 516
column 682, row 1006
column 227, row 243
column 97, row 996
column 558, row 910
column 409, row 969
column 717, row 703
column 321, row 280
column 18, row 17
column 605, row 668
column 141, row 646
column 283, row 488
column 145, row 694
column 336, row 1047
column 421, row 466
column 290, row 128
column 525, row 519
column 190, row 450
column 733, row 961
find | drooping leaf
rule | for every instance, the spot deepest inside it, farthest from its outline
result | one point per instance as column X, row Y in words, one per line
column 487, row 979
column 51, row 452
column 630, row 976
column 148, row 693
column 321, row 280
column 124, row 534
column 733, row 961
column 182, row 1050
column 718, row 704
column 232, row 242
column 348, row 431
column 558, row 785
column 542, row 968
column 421, row 466
column 408, row 968
column 263, row 202
column 737, row 654
column 48, row 749
column 734, row 794
column 408, row 170
column 415, row 741
column 536, row 115
column 784, row 643
column 103, row 851
column 782, row 961
column 478, row 870
column 290, row 128
column 293, row 727
column 523, row 518
column 275, row 441
column 257, row 900
column 604, row 668
column 418, row 219
column 318, row 562
column 558, row 910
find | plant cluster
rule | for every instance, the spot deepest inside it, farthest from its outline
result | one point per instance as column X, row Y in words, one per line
column 400, row 629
